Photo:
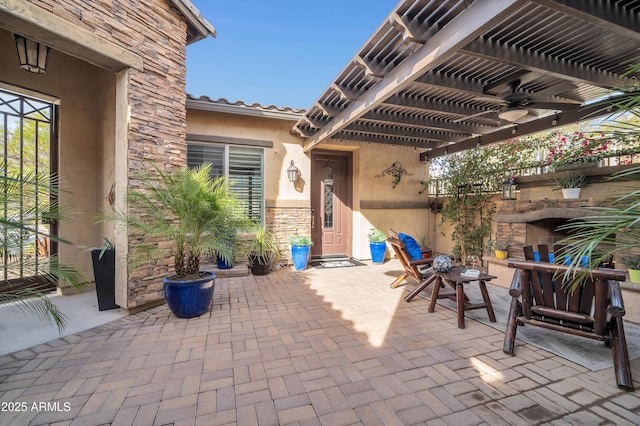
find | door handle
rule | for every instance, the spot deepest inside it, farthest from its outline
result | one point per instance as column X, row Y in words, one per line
column 313, row 218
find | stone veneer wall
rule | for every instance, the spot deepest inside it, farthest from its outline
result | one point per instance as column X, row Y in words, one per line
column 157, row 125
column 285, row 222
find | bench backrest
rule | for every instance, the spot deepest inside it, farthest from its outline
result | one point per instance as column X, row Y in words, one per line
column 546, row 294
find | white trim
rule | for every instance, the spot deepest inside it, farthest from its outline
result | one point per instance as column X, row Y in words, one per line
column 38, row 24
column 242, row 110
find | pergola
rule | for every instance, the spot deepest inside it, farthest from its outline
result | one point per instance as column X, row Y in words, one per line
column 448, row 75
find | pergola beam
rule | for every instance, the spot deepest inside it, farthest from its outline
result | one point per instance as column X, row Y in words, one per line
column 599, row 13
column 533, row 61
column 534, row 126
column 479, row 17
column 426, row 122
column 384, row 139
column 410, row 30
column 400, row 131
column 440, row 107
column 461, row 85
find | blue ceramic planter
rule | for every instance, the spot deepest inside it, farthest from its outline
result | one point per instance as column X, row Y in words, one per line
column 223, row 264
column 300, row 256
column 188, row 299
column 378, row 250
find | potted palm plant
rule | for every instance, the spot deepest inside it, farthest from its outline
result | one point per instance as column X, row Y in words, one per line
column 262, row 250
column 570, row 184
column 377, row 245
column 300, row 245
column 192, row 210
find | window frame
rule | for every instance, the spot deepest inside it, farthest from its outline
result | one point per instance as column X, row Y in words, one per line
column 226, row 165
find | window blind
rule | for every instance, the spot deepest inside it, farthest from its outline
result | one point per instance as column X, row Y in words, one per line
column 245, row 168
column 200, row 154
column 246, row 179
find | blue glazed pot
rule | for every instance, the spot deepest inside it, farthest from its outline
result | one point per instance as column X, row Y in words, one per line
column 188, row 299
column 300, row 256
column 223, row 264
column 378, row 250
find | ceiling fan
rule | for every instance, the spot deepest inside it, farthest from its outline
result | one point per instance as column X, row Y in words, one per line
column 519, row 106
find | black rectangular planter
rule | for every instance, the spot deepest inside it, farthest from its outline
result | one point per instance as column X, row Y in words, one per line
column 104, row 270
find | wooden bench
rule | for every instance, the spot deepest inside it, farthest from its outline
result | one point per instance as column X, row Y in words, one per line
column 594, row 310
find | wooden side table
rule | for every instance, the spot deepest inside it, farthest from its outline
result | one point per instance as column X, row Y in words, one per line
column 457, row 282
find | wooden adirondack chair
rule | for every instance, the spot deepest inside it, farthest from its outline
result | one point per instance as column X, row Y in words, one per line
column 410, row 266
column 594, row 310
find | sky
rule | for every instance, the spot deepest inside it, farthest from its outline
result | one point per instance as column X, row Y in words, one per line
column 280, row 52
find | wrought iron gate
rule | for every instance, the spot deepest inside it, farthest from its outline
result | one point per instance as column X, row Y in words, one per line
column 28, row 145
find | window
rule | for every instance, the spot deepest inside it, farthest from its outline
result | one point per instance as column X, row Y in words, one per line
column 243, row 165
column 27, row 141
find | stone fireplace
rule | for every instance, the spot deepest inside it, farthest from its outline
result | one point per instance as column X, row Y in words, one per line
column 532, row 222
column 535, row 216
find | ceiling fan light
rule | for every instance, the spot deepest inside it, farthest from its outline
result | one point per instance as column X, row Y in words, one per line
column 513, row 114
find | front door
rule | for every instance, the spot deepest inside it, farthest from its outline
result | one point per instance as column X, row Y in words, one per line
column 331, row 202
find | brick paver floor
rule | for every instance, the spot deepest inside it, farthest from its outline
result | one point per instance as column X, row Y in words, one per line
column 330, row 347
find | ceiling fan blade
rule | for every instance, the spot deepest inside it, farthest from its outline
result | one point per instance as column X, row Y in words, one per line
column 562, row 106
column 477, row 114
column 531, row 114
column 554, row 90
column 504, row 84
column 489, row 98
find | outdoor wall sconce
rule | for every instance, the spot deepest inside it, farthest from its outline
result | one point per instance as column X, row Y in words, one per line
column 31, row 54
column 509, row 188
column 293, row 172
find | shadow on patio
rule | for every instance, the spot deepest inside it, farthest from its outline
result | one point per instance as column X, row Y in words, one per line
column 324, row 346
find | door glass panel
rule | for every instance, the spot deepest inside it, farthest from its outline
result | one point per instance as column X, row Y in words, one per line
column 25, row 143
column 327, row 184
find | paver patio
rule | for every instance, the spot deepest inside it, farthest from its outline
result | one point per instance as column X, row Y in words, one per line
column 323, row 346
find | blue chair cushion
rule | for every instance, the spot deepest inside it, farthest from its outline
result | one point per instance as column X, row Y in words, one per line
column 411, row 245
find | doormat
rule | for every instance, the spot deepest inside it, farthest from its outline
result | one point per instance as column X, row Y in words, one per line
column 335, row 263
column 589, row 353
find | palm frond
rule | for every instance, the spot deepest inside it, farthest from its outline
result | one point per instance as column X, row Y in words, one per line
column 35, row 303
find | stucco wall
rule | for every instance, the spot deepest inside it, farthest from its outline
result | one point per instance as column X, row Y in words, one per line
column 286, row 147
column 401, row 208
column 85, row 95
column 377, row 204
column 287, row 205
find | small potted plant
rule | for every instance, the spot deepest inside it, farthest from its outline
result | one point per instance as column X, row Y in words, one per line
column 300, row 245
column 633, row 264
column 570, row 185
column 377, row 245
column 228, row 237
column 501, row 248
column 262, row 249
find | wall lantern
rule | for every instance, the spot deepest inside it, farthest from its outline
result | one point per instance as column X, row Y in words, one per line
column 509, row 188
column 292, row 172
column 31, row 54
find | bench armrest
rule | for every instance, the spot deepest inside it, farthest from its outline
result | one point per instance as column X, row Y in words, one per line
column 515, row 290
column 616, row 304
